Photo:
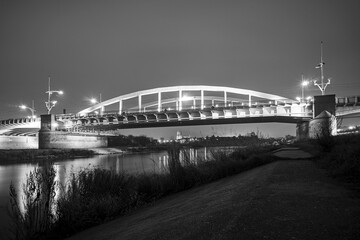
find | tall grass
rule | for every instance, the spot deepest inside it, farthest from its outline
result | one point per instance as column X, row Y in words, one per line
column 342, row 158
column 37, row 216
column 93, row 196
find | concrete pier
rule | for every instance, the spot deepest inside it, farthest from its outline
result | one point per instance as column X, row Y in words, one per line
column 50, row 138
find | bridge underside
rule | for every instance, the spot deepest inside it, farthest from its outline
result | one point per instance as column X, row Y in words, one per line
column 269, row 119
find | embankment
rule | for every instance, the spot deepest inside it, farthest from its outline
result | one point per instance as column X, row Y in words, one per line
column 25, row 155
column 291, row 199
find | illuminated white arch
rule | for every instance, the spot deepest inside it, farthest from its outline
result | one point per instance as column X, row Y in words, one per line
column 180, row 89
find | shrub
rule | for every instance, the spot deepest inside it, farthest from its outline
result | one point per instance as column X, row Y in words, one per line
column 92, row 196
column 343, row 158
column 38, row 215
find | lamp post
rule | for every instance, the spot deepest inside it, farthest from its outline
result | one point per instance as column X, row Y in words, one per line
column 50, row 104
column 32, row 109
column 304, row 83
column 95, row 101
column 322, row 86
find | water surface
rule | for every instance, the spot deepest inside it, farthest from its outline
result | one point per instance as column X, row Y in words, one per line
column 131, row 163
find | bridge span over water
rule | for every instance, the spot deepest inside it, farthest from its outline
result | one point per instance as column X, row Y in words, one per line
column 182, row 106
column 187, row 105
column 188, row 97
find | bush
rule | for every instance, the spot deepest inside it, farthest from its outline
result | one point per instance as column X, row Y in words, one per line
column 343, row 158
column 93, row 196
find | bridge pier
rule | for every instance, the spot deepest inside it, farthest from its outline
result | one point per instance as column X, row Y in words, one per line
column 50, row 138
column 324, row 120
column 323, row 125
column 302, row 131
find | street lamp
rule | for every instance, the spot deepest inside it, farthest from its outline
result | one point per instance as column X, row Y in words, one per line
column 31, row 109
column 304, row 83
column 93, row 101
column 50, row 104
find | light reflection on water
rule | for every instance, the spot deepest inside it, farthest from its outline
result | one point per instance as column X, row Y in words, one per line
column 156, row 162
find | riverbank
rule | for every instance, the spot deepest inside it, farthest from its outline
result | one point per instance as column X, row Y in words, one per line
column 96, row 195
column 291, row 199
column 29, row 155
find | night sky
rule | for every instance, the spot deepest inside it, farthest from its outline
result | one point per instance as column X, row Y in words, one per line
column 118, row 47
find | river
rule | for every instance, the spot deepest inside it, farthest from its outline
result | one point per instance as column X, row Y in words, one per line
column 131, row 163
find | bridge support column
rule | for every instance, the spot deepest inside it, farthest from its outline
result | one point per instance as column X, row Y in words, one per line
column 323, row 125
column 324, row 121
column 302, row 131
column 324, row 103
column 49, row 138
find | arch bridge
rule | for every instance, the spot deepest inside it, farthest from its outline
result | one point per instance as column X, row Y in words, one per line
column 186, row 105
column 181, row 105
column 188, row 97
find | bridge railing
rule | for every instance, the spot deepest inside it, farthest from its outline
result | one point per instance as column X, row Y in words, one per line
column 17, row 122
column 348, row 101
column 73, row 123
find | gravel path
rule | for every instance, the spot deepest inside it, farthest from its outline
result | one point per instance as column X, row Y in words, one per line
column 290, row 199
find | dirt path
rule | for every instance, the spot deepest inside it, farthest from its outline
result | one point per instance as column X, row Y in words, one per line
column 284, row 200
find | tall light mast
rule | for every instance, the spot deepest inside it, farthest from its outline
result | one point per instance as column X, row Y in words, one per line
column 323, row 85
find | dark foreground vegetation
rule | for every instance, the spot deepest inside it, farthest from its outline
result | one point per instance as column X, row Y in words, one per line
column 94, row 196
column 340, row 155
column 11, row 156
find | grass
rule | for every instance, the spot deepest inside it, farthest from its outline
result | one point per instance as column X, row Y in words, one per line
column 94, row 196
column 37, row 217
column 342, row 156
